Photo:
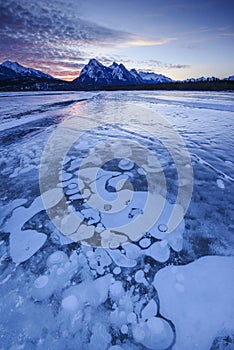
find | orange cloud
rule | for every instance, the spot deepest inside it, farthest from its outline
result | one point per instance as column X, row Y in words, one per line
column 136, row 40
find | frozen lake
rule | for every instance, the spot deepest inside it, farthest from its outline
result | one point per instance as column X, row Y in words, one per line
column 116, row 220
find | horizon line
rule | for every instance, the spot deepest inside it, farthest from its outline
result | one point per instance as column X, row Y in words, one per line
column 71, row 77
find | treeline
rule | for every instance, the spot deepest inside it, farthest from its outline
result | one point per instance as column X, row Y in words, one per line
column 35, row 84
column 219, row 85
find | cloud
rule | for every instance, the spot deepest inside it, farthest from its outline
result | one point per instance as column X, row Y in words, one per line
column 136, row 40
column 177, row 66
column 47, row 36
column 231, row 35
column 166, row 65
column 55, row 27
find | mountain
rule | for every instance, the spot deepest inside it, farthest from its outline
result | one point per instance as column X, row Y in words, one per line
column 116, row 74
column 136, row 75
column 11, row 70
column 94, row 76
column 96, row 73
column 193, row 80
column 153, row 78
column 6, row 73
column 121, row 73
column 230, row 78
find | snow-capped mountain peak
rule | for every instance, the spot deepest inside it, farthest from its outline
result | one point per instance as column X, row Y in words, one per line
column 94, row 71
column 120, row 72
column 152, row 78
column 231, row 77
column 16, row 67
column 201, row 79
column 134, row 73
column 95, row 63
column 113, row 65
column 116, row 74
column 22, row 71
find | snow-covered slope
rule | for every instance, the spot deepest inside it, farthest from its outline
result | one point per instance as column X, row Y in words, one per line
column 95, row 72
column 136, row 75
column 120, row 72
column 7, row 73
column 21, row 71
column 230, row 78
column 151, row 78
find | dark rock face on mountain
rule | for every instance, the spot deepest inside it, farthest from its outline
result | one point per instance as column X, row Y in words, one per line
column 116, row 74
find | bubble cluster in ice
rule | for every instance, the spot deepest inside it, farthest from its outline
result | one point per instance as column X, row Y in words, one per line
column 110, row 200
column 28, row 160
column 128, row 315
column 87, row 285
column 60, row 271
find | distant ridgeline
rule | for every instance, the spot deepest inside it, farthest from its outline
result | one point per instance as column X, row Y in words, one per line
column 96, row 76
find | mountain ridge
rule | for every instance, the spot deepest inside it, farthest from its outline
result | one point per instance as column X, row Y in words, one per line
column 116, row 74
column 15, row 70
column 95, row 75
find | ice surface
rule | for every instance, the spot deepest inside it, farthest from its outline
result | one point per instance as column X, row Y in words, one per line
column 121, row 259
column 60, row 271
column 42, row 288
column 159, row 230
column 56, row 293
column 70, row 303
column 99, row 260
column 155, row 334
column 23, row 244
column 150, row 310
column 199, row 299
column 125, row 164
column 21, row 215
column 93, row 293
column 7, row 209
column 220, row 183
column 116, row 290
column 159, row 251
column 145, row 242
column 100, row 337
column 132, row 250
column 110, row 239
column 57, row 258
column 140, row 277
column 117, row 270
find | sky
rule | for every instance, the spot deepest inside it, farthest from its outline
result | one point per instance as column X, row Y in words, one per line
column 177, row 38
